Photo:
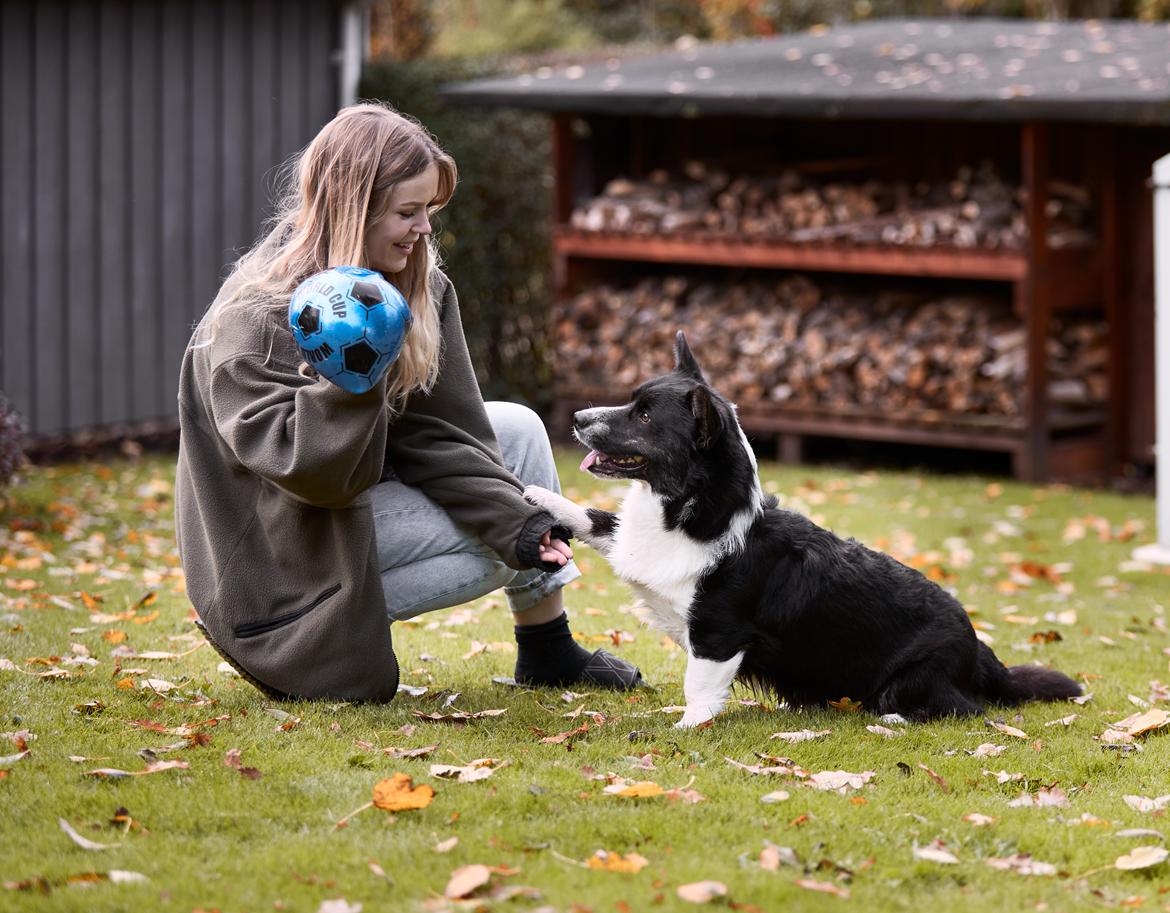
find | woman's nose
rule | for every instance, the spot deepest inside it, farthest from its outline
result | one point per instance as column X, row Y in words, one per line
column 423, row 225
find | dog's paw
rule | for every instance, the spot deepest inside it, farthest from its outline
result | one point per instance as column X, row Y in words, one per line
column 542, row 497
column 694, row 717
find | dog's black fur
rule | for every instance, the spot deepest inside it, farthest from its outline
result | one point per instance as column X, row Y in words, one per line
column 817, row 617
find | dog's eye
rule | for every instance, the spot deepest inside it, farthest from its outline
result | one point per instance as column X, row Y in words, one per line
column 644, row 418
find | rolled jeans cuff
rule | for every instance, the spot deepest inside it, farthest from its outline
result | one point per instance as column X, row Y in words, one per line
column 530, row 588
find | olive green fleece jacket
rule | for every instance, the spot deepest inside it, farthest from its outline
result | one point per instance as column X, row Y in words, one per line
column 273, row 522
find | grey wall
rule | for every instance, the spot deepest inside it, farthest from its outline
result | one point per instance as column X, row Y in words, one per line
column 138, row 146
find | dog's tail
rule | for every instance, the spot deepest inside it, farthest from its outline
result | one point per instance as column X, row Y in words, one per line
column 1017, row 684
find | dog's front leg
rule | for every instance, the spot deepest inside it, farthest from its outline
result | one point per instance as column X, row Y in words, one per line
column 593, row 527
column 706, row 687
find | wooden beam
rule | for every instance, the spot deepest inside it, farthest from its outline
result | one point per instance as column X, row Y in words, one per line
column 1036, row 299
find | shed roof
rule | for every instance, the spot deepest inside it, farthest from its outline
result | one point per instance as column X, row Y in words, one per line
column 954, row 69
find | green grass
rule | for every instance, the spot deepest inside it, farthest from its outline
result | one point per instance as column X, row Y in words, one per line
column 209, row 838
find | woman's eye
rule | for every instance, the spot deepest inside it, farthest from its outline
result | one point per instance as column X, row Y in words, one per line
column 644, row 418
column 406, row 215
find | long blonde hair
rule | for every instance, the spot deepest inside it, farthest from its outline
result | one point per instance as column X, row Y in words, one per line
column 331, row 193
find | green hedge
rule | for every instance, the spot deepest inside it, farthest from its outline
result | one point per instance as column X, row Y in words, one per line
column 495, row 232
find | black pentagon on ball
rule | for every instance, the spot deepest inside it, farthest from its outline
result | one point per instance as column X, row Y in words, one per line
column 309, row 320
column 359, row 358
column 366, row 293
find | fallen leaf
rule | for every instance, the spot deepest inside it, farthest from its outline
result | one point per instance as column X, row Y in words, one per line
column 339, row 905
column 979, row 820
column 84, row 842
column 1142, row 804
column 479, row 769
column 643, row 789
column 606, row 861
column 685, row 796
column 942, row 784
column 987, row 750
column 778, row 795
column 565, row 736
column 801, row 735
column 702, row 891
column 883, row 731
column 398, row 794
column 1021, row 864
column 1142, row 857
column 824, row 887
column 840, row 781
column 1143, row 723
column 935, row 853
column 467, row 879
column 445, row 846
column 156, row 767
column 846, row 705
column 1007, row 730
column 421, row 752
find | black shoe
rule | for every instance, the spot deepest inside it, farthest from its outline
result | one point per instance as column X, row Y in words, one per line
column 602, row 669
column 243, row 673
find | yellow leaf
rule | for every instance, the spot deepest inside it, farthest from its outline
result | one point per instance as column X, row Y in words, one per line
column 616, row 862
column 643, row 789
column 397, row 795
column 113, row 636
column 846, row 705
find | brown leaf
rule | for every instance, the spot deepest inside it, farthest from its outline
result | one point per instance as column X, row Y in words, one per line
column 942, row 784
column 846, row 705
column 565, row 736
column 398, row 794
column 825, row 887
column 422, row 752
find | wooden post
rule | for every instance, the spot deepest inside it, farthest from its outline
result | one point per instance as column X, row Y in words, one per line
column 1037, row 300
column 1118, row 411
column 562, row 209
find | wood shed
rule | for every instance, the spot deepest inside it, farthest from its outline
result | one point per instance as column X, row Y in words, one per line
column 927, row 231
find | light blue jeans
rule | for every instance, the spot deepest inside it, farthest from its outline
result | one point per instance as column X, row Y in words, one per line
column 429, row 562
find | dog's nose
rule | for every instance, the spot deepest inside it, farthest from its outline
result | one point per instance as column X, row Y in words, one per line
column 585, row 418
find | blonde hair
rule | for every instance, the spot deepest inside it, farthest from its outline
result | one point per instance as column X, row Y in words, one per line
column 333, row 190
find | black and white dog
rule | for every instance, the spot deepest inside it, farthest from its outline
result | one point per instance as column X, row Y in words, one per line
column 762, row 594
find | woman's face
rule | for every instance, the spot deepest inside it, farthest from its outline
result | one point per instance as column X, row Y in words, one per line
column 391, row 238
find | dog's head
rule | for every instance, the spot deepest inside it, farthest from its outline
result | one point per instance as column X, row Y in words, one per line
column 673, row 428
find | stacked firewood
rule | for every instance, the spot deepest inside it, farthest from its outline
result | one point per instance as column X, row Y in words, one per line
column 795, row 342
column 977, row 209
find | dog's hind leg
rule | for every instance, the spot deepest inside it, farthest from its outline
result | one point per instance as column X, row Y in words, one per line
column 706, row 687
column 593, row 527
column 925, row 692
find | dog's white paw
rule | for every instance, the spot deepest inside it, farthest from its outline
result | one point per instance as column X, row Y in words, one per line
column 694, row 716
column 542, row 497
column 893, row 718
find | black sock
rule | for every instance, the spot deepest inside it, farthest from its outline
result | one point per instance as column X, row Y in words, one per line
column 546, row 654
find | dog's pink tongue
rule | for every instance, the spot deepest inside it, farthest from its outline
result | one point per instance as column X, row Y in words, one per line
column 589, row 460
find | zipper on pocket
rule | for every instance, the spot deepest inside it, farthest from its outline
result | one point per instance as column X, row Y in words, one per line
column 253, row 628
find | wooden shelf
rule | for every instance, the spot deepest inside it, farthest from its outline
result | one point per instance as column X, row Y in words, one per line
column 1005, row 434
column 1079, row 269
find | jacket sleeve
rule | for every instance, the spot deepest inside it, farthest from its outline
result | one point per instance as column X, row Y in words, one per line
column 443, row 443
column 321, row 444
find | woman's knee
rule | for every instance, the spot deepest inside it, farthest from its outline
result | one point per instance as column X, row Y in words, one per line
column 524, row 443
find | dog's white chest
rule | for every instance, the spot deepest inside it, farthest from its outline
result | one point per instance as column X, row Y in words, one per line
column 667, row 562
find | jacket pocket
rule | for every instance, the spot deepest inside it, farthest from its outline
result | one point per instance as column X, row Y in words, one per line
column 254, row 628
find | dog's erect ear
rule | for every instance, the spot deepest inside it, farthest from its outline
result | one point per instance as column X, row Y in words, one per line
column 708, row 418
column 684, row 359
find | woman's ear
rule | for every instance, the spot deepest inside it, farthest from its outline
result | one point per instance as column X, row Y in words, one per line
column 708, row 418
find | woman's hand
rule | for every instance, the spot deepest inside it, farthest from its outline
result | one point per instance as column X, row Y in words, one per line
column 554, row 549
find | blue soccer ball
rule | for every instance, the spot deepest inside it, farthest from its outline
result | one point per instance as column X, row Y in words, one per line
column 349, row 324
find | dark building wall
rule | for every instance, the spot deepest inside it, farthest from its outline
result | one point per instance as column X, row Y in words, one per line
column 139, row 141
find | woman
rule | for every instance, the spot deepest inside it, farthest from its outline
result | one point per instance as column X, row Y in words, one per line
column 306, row 515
